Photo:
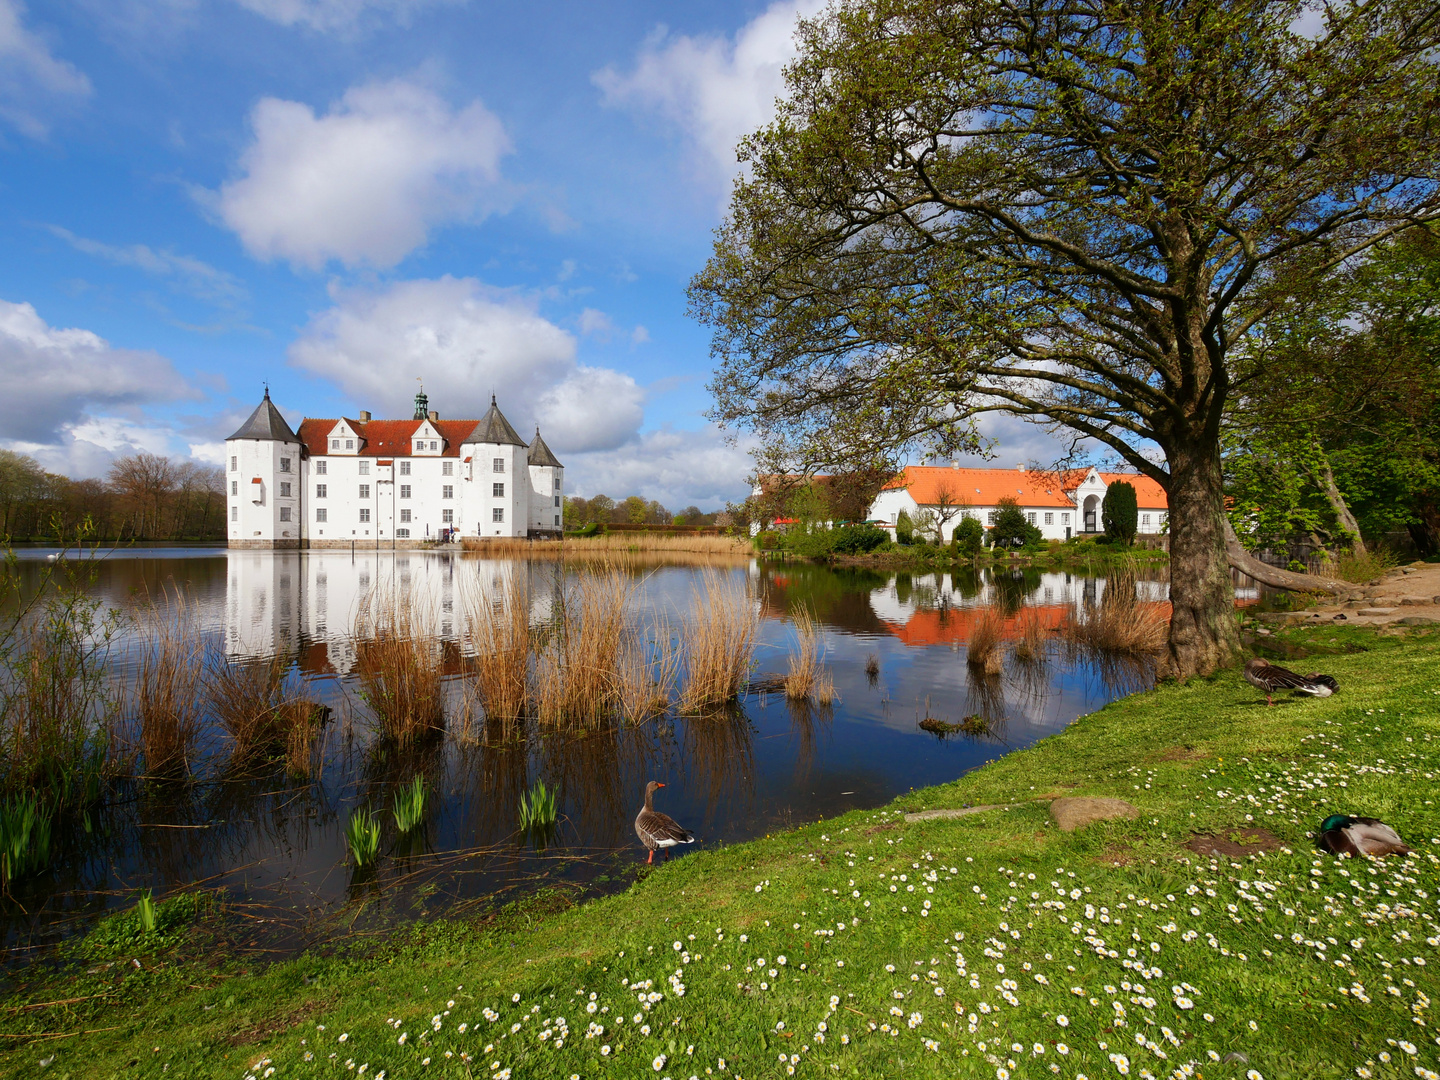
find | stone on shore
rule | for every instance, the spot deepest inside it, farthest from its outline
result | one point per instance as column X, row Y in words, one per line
column 1074, row 812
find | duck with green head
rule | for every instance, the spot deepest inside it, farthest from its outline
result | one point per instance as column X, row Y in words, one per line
column 1343, row 834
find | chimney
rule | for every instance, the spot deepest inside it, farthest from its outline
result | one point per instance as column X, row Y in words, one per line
column 954, row 464
column 1021, row 467
column 434, row 415
column 364, row 416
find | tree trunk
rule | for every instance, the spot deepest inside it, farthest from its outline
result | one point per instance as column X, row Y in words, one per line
column 1204, row 635
column 1276, row 578
column 1324, row 478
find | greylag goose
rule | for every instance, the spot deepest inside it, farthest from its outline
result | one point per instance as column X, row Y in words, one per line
column 1346, row 835
column 1272, row 678
column 657, row 830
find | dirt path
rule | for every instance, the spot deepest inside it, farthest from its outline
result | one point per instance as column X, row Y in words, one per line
column 1407, row 595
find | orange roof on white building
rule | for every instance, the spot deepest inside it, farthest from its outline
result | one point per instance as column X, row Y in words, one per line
column 986, row 487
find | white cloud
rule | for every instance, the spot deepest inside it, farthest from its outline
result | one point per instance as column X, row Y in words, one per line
column 639, row 336
column 715, row 89
column 366, row 182
column 341, row 15
column 466, row 341
column 32, row 81
column 190, row 275
column 679, row 468
column 51, row 379
column 596, row 323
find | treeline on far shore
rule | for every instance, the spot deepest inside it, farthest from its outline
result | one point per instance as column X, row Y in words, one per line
column 142, row 497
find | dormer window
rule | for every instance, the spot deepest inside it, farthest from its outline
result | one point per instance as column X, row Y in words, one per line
column 434, row 445
column 334, row 444
column 349, row 444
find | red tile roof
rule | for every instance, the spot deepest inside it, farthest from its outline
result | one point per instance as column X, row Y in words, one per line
column 385, row 438
column 979, row 487
column 985, row 487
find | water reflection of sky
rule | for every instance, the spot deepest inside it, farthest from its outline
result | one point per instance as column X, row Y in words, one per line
column 279, row 846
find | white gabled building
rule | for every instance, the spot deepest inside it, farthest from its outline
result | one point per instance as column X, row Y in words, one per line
column 392, row 483
column 1060, row 506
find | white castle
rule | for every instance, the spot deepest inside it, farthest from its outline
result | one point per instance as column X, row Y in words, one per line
column 391, row 483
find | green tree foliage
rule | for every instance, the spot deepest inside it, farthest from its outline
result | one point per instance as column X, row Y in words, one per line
column 969, row 537
column 1077, row 214
column 1120, row 512
column 904, row 529
column 1011, row 528
column 1340, row 438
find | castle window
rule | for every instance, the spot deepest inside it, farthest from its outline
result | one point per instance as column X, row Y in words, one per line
column 404, row 491
column 1049, row 519
column 557, row 500
column 499, row 465
column 364, row 514
column 498, row 514
column 284, row 513
column 234, row 463
column 497, row 491
column 434, row 445
column 322, row 490
column 321, row 468
column 349, row 444
column 364, row 468
column 284, row 464
column 447, row 517
column 404, row 468
column 402, row 534
column 234, row 513
column 557, row 521
column 557, row 483
column 447, row 468
column 234, row 487
column 364, row 491
column 321, row 514
column 448, row 491
column 404, row 515
column 334, row 444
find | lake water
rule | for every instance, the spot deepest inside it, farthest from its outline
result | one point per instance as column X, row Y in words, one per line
column 276, row 846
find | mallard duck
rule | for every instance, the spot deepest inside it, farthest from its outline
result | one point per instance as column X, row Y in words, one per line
column 657, row 830
column 1272, row 678
column 1346, row 835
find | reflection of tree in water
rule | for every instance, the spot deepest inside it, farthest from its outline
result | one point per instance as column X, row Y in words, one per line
column 966, row 582
column 985, row 695
column 838, row 597
column 596, row 775
column 1013, row 586
column 904, row 585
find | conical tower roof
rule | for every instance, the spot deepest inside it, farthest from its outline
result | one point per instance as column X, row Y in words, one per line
column 494, row 428
column 540, row 453
column 266, row 423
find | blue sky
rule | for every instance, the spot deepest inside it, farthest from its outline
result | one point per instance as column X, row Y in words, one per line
column 342, row 196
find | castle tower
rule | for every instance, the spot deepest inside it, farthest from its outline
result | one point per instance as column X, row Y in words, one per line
column 500, row 477
column 547, row 489
column 263, row 482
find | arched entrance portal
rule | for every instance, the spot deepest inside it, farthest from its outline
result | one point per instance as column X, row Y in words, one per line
column 1092, row 513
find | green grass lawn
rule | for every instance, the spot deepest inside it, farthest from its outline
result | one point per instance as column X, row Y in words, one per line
column 991, row 946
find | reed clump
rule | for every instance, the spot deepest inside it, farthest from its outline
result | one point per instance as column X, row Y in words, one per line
column 539, row 809
column 807, row 678
column 1032, row 646
column 982, row 651
column 409, row 805
column 648, row 670
column 24, row 839
column 362, row 837
column 400, row 665
column 264, row 711
column 1121, row 624
column 613, row 547
column 578, row 670
column 166, row 689
column 501, row 635
column 721, row 643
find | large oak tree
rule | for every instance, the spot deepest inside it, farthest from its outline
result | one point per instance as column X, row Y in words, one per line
column 1071, row 210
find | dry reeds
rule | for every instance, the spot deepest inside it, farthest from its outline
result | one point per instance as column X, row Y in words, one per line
column 613, row 547
column 166, row 690
column 807, row 678
column 1032, row 646
column 983, row 649
column 1120, row 624
column 721, row 643
column 649, row 667
column 577, row 673
column 400, row 667
column 500, row 633
column 264, row 712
